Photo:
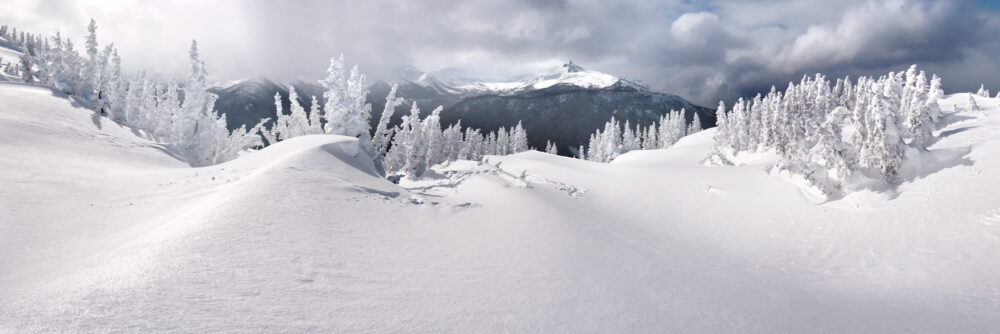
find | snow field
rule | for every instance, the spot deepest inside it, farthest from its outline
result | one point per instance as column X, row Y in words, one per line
column 102, row 230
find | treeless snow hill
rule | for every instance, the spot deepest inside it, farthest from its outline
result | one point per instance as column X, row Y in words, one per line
column 102, row 230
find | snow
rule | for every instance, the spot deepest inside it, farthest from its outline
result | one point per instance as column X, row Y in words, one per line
column 8, row 51
column 102, row 230
column 583, row 79
column 8, row 55
column 567, row 75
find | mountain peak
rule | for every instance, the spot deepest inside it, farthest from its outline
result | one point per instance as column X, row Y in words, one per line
column 573, row 68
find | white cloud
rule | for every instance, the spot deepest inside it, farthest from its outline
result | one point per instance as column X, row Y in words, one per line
column 697, row 27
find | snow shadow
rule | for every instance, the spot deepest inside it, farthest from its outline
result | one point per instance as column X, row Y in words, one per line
column 95, row 116
column 953, row 132
column 920, row 164
column 171, row 152
column 952, row 118
column 350, row 154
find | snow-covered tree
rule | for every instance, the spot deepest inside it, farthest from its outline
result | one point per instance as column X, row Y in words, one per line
column 804, row 125
column 315, row 117
column 672, row 128
column 918, row 122
column 91, row 68
column 114, row 90
column 383, row 134
column 473, row 145
column 347, row 113
column 550, row 148
column 27, row 68
column 885, row 143
column 452, row 142
column 279, row 130
column 502, row 145
column 433, row 138
column 723, row 137
column 629, row 140
column 415, row 147
column 298, row 120
column 649, row 140
column 197, row 126
column 168, row 108
column 518, row 139
column 695, row 126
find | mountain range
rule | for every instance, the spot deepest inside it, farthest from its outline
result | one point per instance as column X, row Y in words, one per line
column 565, row 105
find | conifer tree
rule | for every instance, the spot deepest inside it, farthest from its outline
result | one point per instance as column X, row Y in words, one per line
column 432, row 138
column 315, row 117
column 298, row 120
column 415, row 146
column 519, row 139
column 628, row 138
column 383, row 134
column 695, row 126
column 27, row 69
column 91, row 72
column 550, row 148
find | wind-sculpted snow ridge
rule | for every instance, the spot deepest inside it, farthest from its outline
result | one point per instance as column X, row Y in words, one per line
column 104, row 231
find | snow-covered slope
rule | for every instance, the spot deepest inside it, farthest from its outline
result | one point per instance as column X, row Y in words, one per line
column 103, row 231
column 9, row 51
column 9, row 55
column 463, row 83
column 569, row 75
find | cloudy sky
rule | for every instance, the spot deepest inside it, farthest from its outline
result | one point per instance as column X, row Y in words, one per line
column 702, row 50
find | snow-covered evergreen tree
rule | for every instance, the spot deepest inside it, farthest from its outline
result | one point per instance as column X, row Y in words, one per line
column 27, row 68
column 885, row 153
column 297, row 121
column 452, row 141
column 722, row 132
column 550, row 148
column 279, row 131
column 167, row 111
column 804, row 125
column 933, row 95
column 502, row 145
column 383, row 134
column 695, row 126
column 518, row 139
column 918, row 121
column 198, row 133
column 415, row 147
column 91, row 70
column 432, row 138
column 347, row 113
column 629, row 140
column 315, row 117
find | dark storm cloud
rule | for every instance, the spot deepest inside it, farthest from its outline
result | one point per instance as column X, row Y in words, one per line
column 702, row 50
